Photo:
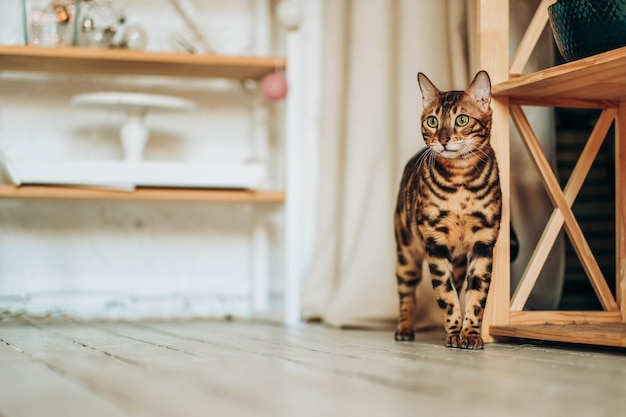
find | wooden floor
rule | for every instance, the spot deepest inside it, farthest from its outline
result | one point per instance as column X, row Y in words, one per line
column 203, row 368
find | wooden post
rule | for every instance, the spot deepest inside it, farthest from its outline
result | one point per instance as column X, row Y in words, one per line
column 620, row 208
column 492, row 32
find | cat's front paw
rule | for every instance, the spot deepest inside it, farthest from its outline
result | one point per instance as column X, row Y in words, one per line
column 404, row 334
column 453, row 340
column 472, row 341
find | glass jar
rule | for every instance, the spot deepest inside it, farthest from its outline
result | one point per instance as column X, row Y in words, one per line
column 49, row 22
column 99, row 23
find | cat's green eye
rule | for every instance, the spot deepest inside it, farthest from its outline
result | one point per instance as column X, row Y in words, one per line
column 462, row 120
column 432, row 122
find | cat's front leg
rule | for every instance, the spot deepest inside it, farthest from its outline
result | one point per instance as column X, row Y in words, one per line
column 442, row 278
column 478, row 281
column 408, row 277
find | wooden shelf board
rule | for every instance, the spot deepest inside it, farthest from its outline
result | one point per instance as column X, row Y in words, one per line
column 163, row 194
column 564, row 317
column 596, row 81
column 74, row 60
column 601, row 334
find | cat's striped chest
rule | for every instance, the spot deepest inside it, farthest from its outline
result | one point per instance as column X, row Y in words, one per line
column 454, row 213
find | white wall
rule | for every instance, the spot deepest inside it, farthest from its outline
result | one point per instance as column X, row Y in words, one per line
column 134, row 259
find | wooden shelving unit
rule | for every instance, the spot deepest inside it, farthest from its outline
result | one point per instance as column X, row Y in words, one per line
column 595, row 82
column 86, row 62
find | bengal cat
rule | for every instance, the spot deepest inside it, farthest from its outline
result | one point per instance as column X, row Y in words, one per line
column 448, row 211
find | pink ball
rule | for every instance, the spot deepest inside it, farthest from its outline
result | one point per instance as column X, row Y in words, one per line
column 274, row 86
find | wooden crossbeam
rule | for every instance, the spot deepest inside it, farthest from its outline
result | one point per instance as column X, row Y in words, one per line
column 554, row 225
column 555, row 193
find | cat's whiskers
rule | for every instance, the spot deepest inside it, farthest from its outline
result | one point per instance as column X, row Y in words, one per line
column 422, row 158
column 433, row 159
column 429, row 156
column 476, row 155
column 476, row 148
column 468, row 157
column 476, row 152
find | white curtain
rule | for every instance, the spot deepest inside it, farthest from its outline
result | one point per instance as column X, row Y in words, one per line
column 371, row 108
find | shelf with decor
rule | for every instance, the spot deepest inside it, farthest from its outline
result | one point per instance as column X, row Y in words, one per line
column 85, row 61
column 71, row 61
column 599, row 82
column 91, row 61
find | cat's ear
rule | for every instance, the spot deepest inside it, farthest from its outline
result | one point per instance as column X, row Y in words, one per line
column 480, row 89
column 430, row 93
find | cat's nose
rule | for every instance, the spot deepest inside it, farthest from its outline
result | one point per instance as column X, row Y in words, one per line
column 444, row 140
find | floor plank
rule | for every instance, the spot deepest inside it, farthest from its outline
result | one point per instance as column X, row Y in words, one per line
column 247, row 376
column 453, row 377
column 30, row 388
column 141, row 391
column 244, row 368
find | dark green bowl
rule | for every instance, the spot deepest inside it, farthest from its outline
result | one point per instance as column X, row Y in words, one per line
column 582, row 28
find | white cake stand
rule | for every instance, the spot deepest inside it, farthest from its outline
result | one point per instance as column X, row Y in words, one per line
column 134, row 132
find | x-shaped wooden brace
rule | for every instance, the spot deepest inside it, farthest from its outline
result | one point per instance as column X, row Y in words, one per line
column 562, row 201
